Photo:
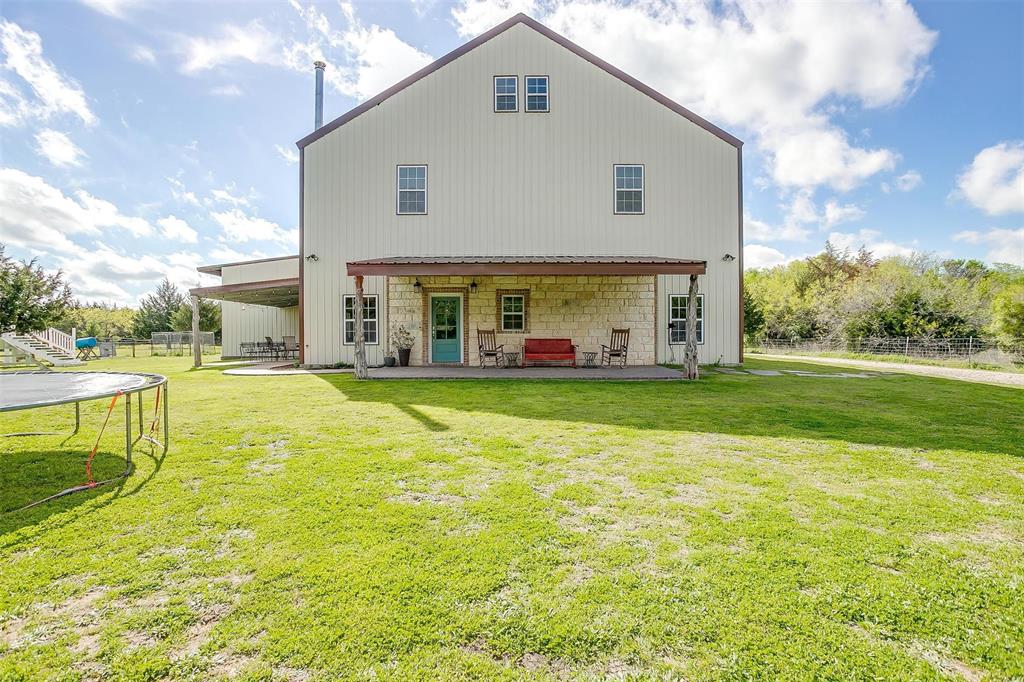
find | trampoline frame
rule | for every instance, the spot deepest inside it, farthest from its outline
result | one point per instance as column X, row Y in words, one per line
column 160, row 383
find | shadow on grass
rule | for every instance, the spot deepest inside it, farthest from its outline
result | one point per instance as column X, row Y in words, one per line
column 895, row 410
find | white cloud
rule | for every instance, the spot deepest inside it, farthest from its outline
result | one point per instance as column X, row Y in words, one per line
column 143, row 55
column 58, row 148
column 103, row 272
column 52, row 93
column 473, row 17
column 115, row 8
column 176, row 229
column 38, row 216
column 225, row 254
column 230, row 90
column 871, row 240
column 225, row 196
column 288, row 154
column 369, row 59
column 994, row 181
column 760, row 256
column 781, row 70
column 1005, row 246
column 907, row 182
column 181, row 194
column 251, row 43
column 836, row 213
column 239, row 227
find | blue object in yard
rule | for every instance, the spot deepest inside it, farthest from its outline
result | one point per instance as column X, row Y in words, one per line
column 86, row 342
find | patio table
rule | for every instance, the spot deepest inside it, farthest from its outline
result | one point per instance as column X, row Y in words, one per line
column 512, row 359
column 589, row 358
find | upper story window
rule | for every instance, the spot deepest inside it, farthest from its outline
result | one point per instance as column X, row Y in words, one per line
column 629, row 189
column 506, row 93
column 537, row 93
column 412, row 190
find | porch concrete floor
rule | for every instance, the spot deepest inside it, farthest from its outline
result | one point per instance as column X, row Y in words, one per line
column 638, row 373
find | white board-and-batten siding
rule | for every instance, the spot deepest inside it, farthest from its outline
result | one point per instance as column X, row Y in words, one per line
column 519, row 184
column 245, row 322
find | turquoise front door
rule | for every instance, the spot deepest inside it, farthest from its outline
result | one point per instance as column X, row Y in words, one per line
column 445, row 329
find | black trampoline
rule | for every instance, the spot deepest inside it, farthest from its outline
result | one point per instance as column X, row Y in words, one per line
column 35, row 389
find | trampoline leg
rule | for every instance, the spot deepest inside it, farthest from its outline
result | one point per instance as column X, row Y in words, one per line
column 78, row 417
column 140, row 414
column 165, row 418
column 128, row 430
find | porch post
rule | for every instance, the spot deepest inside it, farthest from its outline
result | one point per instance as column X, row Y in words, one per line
column 197, row 347
column 690, row 369
column 357, row 316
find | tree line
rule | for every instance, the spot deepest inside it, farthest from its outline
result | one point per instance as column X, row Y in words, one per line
column 839, row 294
column 32, row 299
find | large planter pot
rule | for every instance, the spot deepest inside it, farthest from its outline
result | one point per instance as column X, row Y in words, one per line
column 389, row 361
column 403, row 356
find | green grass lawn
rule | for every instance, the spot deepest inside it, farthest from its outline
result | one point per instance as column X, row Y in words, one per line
column 315, row 527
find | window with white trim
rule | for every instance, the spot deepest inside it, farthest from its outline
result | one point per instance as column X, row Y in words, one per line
column 677, row 318
column 537, row 93
column 513, row 313
column 412, row 190
column 506, row 93
column 629, row 189
column 369, row 320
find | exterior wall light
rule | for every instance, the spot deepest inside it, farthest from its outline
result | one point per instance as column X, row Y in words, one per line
column 728, row 258
column 313, row 257
column 416, row 285
column 472, row 287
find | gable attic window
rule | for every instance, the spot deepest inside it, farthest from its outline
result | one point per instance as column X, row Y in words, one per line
column 537, row 93
column 506, row 94
column 412, row 190
column 629, row 189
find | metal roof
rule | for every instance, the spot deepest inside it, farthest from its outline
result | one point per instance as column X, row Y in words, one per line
column 525, row 265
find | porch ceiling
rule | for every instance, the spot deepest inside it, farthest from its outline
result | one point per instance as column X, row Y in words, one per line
column 527, row 265
column 277, row 293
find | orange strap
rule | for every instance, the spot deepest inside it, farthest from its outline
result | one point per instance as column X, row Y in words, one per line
column 95, row 448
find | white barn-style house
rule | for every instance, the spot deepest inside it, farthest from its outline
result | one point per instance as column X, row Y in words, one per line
column 518, row 184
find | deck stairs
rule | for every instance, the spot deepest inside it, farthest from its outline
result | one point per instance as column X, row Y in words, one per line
column 20, row 348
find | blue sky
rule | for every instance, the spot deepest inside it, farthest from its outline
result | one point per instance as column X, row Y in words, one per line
column 140, row 139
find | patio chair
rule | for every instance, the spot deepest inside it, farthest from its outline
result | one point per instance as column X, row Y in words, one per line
column 291, row 347
column 247, row 349
column 273, row 348
column 616, row 348
column 490, row 348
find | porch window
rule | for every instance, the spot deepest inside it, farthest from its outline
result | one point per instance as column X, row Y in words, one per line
column 677, row 318
column 537, row 93
column 506, row 93
column 629, row 189
column 512, row 307
column 369, row 320
column 412, row 190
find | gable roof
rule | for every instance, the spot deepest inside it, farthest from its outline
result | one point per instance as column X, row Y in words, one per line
column 498, row 30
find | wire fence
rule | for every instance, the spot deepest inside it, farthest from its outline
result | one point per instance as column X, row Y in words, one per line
column 971, row 350
column 144, row 348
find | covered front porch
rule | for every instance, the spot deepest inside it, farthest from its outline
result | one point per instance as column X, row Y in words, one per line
column 449, row 304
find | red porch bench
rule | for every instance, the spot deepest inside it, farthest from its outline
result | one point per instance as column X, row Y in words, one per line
column 548, row 350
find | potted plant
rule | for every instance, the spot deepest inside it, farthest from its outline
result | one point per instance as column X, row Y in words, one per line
column 402, row 340
column 390, row 361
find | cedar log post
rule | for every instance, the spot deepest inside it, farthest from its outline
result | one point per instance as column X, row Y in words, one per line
column 357, row 317
column 197, row 346
column 690, row 353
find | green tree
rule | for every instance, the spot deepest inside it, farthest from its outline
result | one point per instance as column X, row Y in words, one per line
column 99, row 320
column 1008, row 314
column 156, row 310
column 209, row 317
column 30, row 299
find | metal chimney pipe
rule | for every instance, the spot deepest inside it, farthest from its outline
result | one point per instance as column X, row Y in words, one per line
column 318, row 118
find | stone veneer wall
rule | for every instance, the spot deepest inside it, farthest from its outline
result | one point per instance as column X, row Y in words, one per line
column 583, row 308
